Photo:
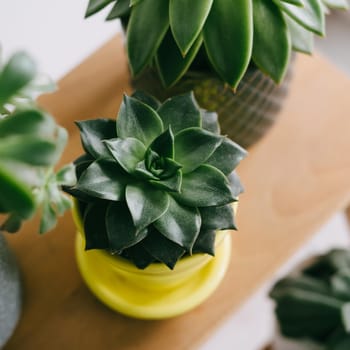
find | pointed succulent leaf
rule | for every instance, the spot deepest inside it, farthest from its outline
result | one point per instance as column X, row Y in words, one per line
column 82, row 163
column 93, row 132
column 12, row 224
column 193, row 146
column 227, row 156
column 180, row 112
column 162, row 249
column 94, row 226
column 302, row 39
column 27, row 122
column 163, row 145
column 171, row 64
column 120, row 9
column 104, row 180
column 205, row 242
column 145, row 204
column 230, row 22
column 206, row 186
column 210, row 121
column 187, row 19
column 171, row 184
column 310, row 16
column 96, row 6
column 180, row 224
column 338, row 4
column 235, row 184
column 141, row 48
column 128, row 152
column 138, row 255
column 16, row 74
column 271, row 44
column 142, row 172
column 138, row 120
column 146, row 99
column 218, row 218
column 121, row 230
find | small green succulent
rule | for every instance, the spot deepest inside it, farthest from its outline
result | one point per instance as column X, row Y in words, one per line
column 30, row 145
column 315, row 304
column 156, row 184
column 172, row 35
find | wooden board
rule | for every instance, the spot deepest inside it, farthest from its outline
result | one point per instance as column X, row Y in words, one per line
column 295, row 179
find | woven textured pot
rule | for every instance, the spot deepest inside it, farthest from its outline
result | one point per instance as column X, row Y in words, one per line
column 245, row 115
column 10, row 292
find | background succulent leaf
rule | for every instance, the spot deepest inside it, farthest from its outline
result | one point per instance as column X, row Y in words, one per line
column 162, row 249
column 146, row 99
column 180, row 224
column 121, row 233
column 128, row 152
column 339, row 4
column 94, row 226
column 210, row 121
column 187, row 19
column 227, row 156
column 48, row 219
column 180, row 112
column 120, row 9
column 95, row 6
column 66, row 175
column 146, row 204
column 302, row 39
column 137, row 120
column 310, row 16
column 271, row 44
column 163, row 145
column 193, row 146
column 294, row 2
column 203, row 187
column 217, row 218
column 229, row 22
column 104, row 180
column 12, row 223
column 16, row 74
column 93, row 132
column 141, row 48
column 205, row 242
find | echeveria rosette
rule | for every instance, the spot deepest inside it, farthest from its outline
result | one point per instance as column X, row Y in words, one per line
column 157, row 183
column 315, row 303
column 171, row 34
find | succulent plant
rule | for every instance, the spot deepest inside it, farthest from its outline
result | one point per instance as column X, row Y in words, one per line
column 315, row 303
column 30, row 145
column 172, row 35
column 156, row 183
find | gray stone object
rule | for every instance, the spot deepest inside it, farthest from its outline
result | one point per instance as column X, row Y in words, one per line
column 10, row 292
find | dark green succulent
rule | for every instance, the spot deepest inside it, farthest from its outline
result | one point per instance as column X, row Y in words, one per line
column 174, row 34
column 315, row 304
column 30, row 145
column 156, row 184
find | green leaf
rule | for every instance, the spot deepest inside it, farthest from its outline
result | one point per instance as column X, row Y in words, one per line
column 163, row 145
column 187, row 19
column 147, row 99
column 16, row 74
column 227, row 156
column 217, row 218
column 48, row 219
column 28, row 149
column 194, row 146
column 310, row 16
column 162, row 249
column 294, row 2
column 337, row 4
column 228, row 38
column 104, row 180
column 180, row 112
column 235, row 184
column 302, row 39
column 12, row 224
column 139, row 121
column 146, row 204
column 210, row 121
column 95, row 6
column 171, row 184
column 15, row 196
column 138, row 255
column 171, row 65
column 203, row 187
column 27, row 122
column 128, row 152
column 95, row 227
column 149, row 17
column 120, row 227
column 205, row 242
column 120, row 9
column 340, row 284
column 180, row 224
column 66, row 175
column 93, row 132
column 271, row 44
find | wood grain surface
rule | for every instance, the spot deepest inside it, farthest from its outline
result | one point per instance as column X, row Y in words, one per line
column 295, row 179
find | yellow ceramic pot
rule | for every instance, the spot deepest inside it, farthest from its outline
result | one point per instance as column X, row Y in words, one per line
column 155, row 292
